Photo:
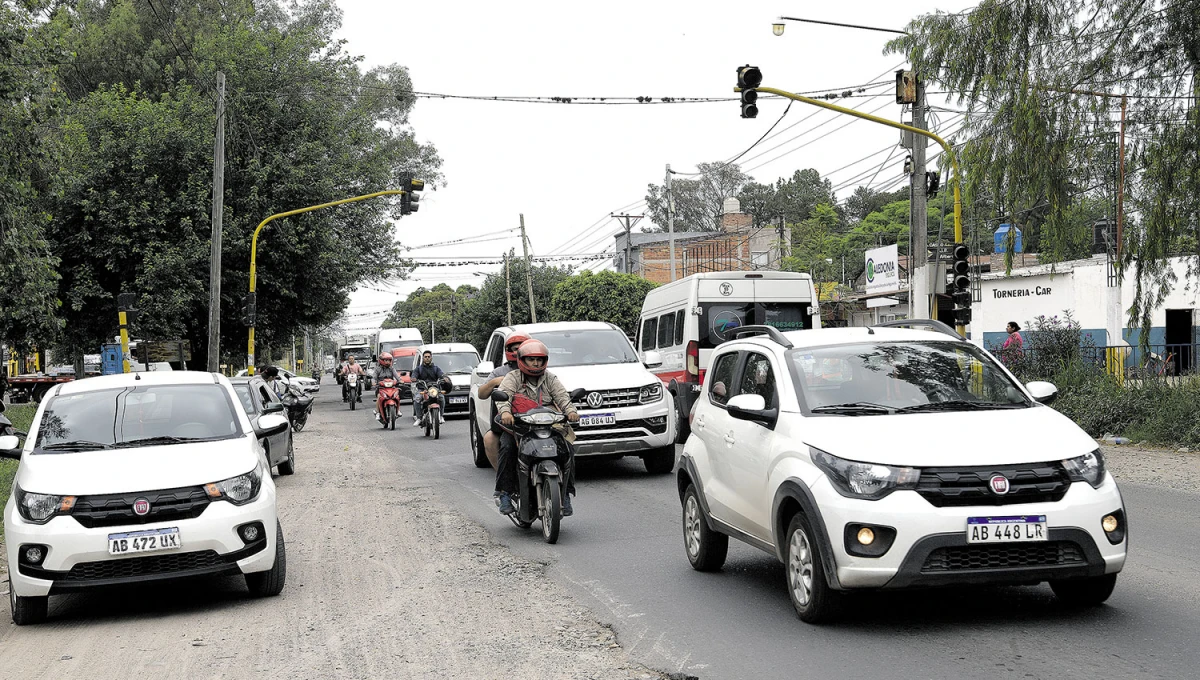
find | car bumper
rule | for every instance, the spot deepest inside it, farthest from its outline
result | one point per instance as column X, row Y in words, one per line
column 77, row 557
column 639, row 429
column 931, row 549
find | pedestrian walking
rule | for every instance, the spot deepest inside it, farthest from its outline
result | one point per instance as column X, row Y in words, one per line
column 1013, row 345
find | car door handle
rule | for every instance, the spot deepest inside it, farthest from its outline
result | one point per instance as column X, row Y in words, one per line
column 729, row 439
column 700, row 423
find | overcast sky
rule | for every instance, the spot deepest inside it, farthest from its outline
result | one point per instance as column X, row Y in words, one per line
column 567, row 166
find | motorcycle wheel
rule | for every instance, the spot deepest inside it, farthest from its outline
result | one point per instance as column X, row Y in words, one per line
column 298, row 424
column 551, row 510
column 428, row 427
column 352, row 402
column 437, row 426
column 391, row 414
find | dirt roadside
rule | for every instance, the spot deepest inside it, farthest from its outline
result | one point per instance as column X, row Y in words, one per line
column 1163, row 468
column 385, row 580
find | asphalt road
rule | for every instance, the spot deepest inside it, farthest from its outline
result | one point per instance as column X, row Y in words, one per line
column 622, row 554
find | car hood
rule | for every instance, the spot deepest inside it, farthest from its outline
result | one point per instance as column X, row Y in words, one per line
column 460, row 379
column 604, row 376
column 959, row 438
column 146, row 468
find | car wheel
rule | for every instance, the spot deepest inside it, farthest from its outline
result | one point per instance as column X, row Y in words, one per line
column 288, row 465
column 270, row 582
column 478, row 452
column 682, row 427
column 660, row 461
column 811, row 595
column 26, row 611
column 706, row 549
column 1085, row 592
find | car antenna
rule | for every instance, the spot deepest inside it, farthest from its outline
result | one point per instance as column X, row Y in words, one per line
column 137, row 376
column 870, row 331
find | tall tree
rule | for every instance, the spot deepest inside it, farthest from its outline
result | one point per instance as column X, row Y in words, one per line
column 607, row 296
column 488, row 310
column 433, row 309
column 699, row 201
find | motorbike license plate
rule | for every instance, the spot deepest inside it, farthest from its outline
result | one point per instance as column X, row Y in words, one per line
column 458, row 400
column 150, row 540
column 1015, row 529
column 598, row 419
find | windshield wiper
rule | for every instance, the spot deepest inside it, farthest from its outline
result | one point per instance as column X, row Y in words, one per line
column 164, row 439
column 856, row 408
column 75, row 446
column 959, row 405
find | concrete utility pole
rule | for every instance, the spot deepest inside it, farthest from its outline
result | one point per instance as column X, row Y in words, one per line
column 308, row 355
column 218, row 208
column 508, row 285
column 528, row 270
column 920, row 290
column 628, row 221
column 670, row 220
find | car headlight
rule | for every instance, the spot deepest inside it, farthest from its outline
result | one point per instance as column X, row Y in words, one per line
column 39, row 508
column 237, row 490
column 869, row 481
column 650, row 393
column 1086, row 468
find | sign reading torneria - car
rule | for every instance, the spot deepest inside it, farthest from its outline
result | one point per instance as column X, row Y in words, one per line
column 883, row 270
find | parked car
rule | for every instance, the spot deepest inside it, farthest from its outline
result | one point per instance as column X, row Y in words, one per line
column 304, row 382
column 258, row 399
column 140, row 477
column 457, row 360
column 893, row 458
column 624, row 411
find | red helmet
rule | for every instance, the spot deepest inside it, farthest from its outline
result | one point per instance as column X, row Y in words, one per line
column 530, row 349
column 385, row 359
column 514, row 338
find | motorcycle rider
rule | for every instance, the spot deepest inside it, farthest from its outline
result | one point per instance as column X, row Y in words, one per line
column 534, row 382
column 384, row 371
column 271, row 375
column 491, row 438
column 430, row 373
column 351, row 366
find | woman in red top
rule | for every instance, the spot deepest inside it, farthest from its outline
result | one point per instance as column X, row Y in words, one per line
column 1015, row 342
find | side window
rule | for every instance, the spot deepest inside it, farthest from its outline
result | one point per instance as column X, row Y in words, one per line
column 495, row 352
column 720, row 378
column 666, row 330
column 679, row 317
column 758, row 378
column 268, row 397
column 649, row 333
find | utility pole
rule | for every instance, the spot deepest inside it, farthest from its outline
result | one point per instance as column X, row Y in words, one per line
column 528, row 270
column 218, row 208
column 508, row 285
column 784, row 241
column 628, row 221
column 920, row 292
column 308, row 355
column 670, row 221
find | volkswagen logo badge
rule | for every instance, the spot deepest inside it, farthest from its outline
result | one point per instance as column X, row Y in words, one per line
column 595, row 399
column 999, row 484
column 726, row 289
column 141, row 507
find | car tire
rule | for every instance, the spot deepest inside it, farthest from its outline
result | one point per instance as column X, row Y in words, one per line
column 660, row 461
column 682, row 427
column 1084, row 592
column 288, row 465
column 27, row 611
column 814, row 600
column 478, row 452
column 706, row 549
column 269, row 583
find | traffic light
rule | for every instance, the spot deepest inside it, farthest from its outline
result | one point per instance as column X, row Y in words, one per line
column 410, row 197
column 933, row 182
column 962, row 316
column 960, row 268
column 125, row 302
column 249, row 311
column 749, row 77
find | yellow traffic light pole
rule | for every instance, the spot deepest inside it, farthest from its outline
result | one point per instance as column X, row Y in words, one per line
column 254, row 248
column 955, row 180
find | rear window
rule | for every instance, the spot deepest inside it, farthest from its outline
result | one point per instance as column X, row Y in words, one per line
column 666, row 330
column 649, row 333
column 719, row 321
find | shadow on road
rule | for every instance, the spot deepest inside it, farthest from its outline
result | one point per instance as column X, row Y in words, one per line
column 175, row 598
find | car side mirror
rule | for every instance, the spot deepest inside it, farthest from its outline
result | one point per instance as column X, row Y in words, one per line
column 578, row 394
column 272, row 408
column 753, row 408
column 499, row 395
column 653, row 360
column 271, row 425
column 485, row 369
column 10, row 447
column 1042, row 392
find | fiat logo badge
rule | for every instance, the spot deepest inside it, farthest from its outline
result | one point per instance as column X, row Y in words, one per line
column 595, row 399
column 999, row 485
column 141, row 507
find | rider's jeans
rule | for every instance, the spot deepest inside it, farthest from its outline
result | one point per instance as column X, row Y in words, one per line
column 418, row 405
column 506, row 466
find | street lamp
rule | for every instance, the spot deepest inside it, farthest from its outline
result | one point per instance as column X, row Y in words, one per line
column 777, row 28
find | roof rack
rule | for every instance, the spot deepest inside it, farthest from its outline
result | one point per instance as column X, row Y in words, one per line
column 770, row 331
column 933, row 324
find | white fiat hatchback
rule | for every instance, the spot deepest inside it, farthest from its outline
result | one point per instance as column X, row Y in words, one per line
column 140, row 477
column 868, row 458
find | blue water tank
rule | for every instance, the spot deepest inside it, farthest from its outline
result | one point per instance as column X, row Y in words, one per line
column 110, row 360
column 1002, row 238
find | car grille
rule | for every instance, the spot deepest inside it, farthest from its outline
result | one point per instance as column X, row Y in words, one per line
column 622, row 430
column 612, row 398
column 956, row 487
column 144, row 566
column 117, row 509
column 1042, row 554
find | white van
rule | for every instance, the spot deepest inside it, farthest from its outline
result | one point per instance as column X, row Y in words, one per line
column 395, row 338
column 685, row 320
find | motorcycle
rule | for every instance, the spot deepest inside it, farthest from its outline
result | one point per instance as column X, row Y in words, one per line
column 431, row 407
column 352, row 389
column 543, row 465
column 388, row 394
column 299, row 405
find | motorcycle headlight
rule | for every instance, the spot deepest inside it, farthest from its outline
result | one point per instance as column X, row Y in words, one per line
column 237, row 490
column 433, row 391
column 868, row 481
column 650, row 393
column 541, row 418
column 1086, row 468
column 39, row 508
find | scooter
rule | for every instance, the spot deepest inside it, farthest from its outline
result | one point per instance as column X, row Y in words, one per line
column 352, row 388
column 299, row 405
column 543, row 465
column 388, row 395
column 431, row 407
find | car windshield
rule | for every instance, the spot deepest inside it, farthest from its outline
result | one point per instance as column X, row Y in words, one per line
column 587, row 347
column 879, row 378
column 136, row 416
column 456, row 362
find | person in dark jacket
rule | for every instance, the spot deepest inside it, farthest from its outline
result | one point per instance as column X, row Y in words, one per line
column 431, row 374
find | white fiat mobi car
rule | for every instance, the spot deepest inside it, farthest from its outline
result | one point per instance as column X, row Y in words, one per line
column 885, row 457
column 140, row 477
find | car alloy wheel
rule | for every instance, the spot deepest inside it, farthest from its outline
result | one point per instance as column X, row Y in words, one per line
column 706, row 548
column 691, row 513
column 800, row 567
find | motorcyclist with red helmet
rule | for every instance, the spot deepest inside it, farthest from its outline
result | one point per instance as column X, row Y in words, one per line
column 533, row 382
column 491, row 438
column 383, row 370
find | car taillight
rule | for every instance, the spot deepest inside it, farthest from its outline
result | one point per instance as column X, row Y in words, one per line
column 693, row 362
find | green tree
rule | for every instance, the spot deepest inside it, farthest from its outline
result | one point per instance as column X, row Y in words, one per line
column 607, row 296
column 699, row 201
column 488, row 310
column 433, row 309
